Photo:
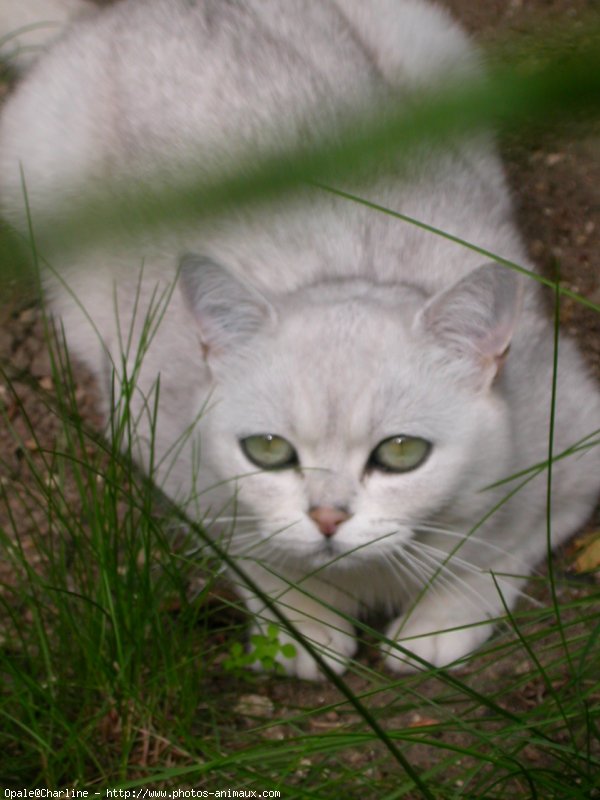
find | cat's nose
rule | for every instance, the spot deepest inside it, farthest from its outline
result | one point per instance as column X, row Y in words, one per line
column 328, row 518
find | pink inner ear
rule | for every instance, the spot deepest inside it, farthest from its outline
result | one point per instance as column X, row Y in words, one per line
column 477, row 317
column 501, row 360
column 495, row 344
column 225, row 310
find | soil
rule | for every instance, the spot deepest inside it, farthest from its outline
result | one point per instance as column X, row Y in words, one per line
column 556, row 186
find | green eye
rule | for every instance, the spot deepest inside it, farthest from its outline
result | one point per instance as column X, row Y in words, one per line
column 268, row 451
column 399, row 454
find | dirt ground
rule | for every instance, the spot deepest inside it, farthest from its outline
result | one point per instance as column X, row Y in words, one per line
column 556, row 185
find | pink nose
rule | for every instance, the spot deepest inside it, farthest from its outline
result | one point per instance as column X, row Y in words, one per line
column 328, row 518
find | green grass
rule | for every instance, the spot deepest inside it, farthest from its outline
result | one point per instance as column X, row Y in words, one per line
column 118, row 654
column 116, row 659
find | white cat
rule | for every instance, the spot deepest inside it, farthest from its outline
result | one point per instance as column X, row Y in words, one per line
column 335, row 389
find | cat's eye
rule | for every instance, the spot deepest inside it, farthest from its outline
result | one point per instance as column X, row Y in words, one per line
column 399, row 454
column 268, row 451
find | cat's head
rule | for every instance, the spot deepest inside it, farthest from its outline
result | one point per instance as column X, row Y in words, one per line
column 347, row 413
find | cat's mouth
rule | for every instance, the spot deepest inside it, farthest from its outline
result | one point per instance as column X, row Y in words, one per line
column 329, row 548
column 332, row 553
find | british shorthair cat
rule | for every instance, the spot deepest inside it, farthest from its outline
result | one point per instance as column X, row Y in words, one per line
column 337, row 394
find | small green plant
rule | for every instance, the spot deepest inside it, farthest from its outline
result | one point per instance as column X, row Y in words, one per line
column 264, row 648
column 109, row 672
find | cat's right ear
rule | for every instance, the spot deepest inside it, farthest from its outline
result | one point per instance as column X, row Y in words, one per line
column 475, row 319
column 226, row 311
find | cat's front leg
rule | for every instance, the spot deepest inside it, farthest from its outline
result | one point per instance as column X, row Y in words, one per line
column 326, row 631
column 434, row 634
column 444, row 626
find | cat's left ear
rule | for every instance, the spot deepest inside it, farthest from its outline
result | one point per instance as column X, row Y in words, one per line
column 226, row 311
column 475, row 319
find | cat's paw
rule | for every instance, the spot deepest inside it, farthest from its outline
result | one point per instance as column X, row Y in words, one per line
column 336, row 647
column 427, row 637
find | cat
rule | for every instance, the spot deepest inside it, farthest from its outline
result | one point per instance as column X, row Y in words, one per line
column 337, row 394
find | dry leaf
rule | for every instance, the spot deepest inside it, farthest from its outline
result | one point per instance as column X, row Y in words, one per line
column 422, row 722
column 588, row 552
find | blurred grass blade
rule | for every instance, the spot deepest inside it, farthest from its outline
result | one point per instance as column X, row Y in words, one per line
column 555, row 79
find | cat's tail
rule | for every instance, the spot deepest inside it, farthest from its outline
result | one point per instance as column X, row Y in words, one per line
column 28, row 27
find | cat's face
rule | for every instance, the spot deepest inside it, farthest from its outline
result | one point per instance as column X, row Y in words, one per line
column 342, row 403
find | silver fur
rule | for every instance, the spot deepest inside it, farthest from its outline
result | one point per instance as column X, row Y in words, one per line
column 322, row 321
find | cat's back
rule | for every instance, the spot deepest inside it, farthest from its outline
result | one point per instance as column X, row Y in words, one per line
column 148, row 80
column 174, row 72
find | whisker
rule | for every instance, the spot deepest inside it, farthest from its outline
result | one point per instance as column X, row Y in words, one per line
column 439, row 572
column 262, row 541
column 476, row 540
column 477, row 570
column 409, row 564
column 428, row 527
column 455, row 583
